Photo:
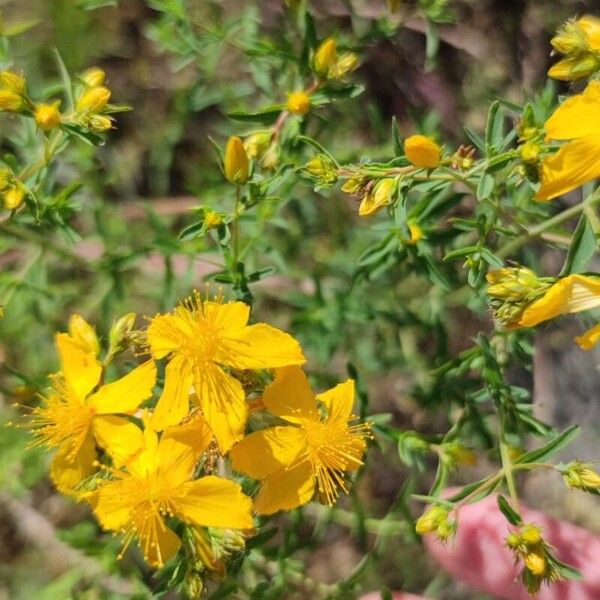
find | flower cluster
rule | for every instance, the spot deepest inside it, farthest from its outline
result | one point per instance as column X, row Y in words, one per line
column 149, row 468
column 539, row 564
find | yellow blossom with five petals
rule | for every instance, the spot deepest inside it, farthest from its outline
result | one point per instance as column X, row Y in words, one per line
column 205, row 340
column 159, row 483
column 316, row 449
column 74, row 417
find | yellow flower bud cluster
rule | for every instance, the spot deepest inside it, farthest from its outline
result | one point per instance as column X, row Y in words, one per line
column 580, row 476
column 512, row 289
column 13, row 92
column 327, row 64
column 321, row 169
column 578, row 40
column 539, row 565
column 436, row 520
column 12, row 190
column 91, row 104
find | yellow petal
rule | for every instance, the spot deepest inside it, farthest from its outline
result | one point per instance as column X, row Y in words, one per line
column 571, row 294
column 576, row 163
column 79, row 367
column 165, row 332
column 286, row 489
column 590, row 338
column 228, row 316
column 126, row 394
column 173, row 404
column 164, row 545
column 577, row 116
column 214, row 502
column 68, row 473
column 223, row 403
column 114, row 503
column 368, row 205
column 180, row 447
column 289, row 395
column 422, row 151
column 119, row 437
column 259, row 347
column 263, row 452
column 339, row 401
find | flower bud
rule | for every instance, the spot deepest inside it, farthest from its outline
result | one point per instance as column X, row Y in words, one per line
column 535, row 563
column 577, row 67
column 459, row 454
column 94, row 99
column 511, row 283
column 93, row 77
column 236, row 161
column 47, row 116
column 14, row 196
column 257, row 143
column 422, row 151
column 270, row 159
column 298, row 103
column 321, row 168
column 381, row 195
column 530, row 534
column 352, row 185
column 345, row 64
column 416, row 234
column 118, row 336
column 529, row 152
column 581, row 476
column 431, row 519
column 6, row 176
column 13, row 82
column 84, row 334
column 212, row 219
column 11, row 102
column 100, row 123
column 325, row 57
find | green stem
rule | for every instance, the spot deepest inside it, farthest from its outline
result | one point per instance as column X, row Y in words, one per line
column 538, row 230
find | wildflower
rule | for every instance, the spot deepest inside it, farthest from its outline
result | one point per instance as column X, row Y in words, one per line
column 257, row 143
column 422, row 151
column 435, row 520
column 12, row 92
column 318, row 448
column 93, row 99
column 47, row 116
column 298, row 103
column 93, row 77
column 579, row 475
column 73, row 418
column 235, row 164
column 579, row 41
column 201, row 338
column 14, row 195
column 325, row 57
column 380, row 195
column 159, row 483
column 577, row 161
column 416, row 234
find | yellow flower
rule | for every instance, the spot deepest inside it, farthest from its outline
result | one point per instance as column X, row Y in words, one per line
column 325, row 57
column 93, row 77
column 379, row 196
column 422, row 151
column 74, row 419
column 577, row 161
column 202, row 339
column 94, row 99
column 416, row 234
column 319, row 448
column 14, row 196
column 298, row 103
column 47, row 116
column 571, row 294
column 235, row 163
column 159, row 483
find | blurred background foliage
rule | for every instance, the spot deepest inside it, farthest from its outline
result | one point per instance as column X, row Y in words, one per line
column 115, row 246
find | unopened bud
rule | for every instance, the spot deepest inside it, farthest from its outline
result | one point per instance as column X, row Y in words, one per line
column 581, row 476
column 381, row 195
column 14, row 196
column 344, row 65
column 325, row 57
column 236, row 161
column 257, row 143
column 93, row 77
column 575, row 68
column 93, row 99
column 298, row 103
column 81, row 331
column 11, row 102
column 530, row 534
column 100, row 123
column 429, row 521
column 47, row 116
column 535, row 563
column 422, row 151
column 13, row 82
column 529, row 152
column 120, row 331
column 212, row 219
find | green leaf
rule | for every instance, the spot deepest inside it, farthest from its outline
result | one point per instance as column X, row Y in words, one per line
column 485, row 187
column 567, row 571
column 494, row 127
column 396, row 138
column 512, row 516
column 267, row 116
column 582, row 249
column 554, row 445
column 66, row 80
column 94, row 4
